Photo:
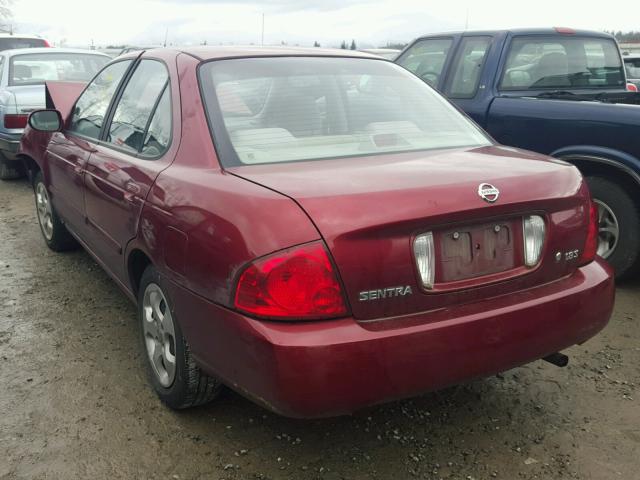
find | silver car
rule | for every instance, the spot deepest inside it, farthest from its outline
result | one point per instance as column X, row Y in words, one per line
column 23, row 73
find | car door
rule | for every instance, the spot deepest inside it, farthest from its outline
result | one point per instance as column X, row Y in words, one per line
column 68, row 151
column 124, row 165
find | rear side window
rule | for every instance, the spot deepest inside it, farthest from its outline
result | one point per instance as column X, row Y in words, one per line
column 91, row 107
column 426, row 59
column 158, row 136
column 136, row 106
column 17, row 42
column 468, row 66
column 632, row 65
column 555, row 62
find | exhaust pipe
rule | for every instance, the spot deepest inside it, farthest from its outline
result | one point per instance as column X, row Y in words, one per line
column 558, row 359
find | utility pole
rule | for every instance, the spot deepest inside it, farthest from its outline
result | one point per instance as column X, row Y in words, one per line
column 262, row 36
column 166, row 33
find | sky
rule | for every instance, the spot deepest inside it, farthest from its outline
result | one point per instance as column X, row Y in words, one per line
column 370, row 23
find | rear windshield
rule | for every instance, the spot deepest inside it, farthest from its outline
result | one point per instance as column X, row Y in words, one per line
column 10, row 43
column 557, row 62
column 36, row 68
column 266, row 110
column 632, row 65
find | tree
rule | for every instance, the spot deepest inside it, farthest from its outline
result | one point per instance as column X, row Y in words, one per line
column 353, row 45
column 343, row 45
column 316, row 44
column 5, row 14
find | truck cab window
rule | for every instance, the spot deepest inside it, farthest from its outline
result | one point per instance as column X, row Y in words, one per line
column 426, row 59
column 468, row 66
column 557, row 62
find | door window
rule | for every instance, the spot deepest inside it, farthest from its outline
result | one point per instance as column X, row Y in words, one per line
column 158, row 136
column 91, row 107
column 468, row 66
column 132, row 116
column 426, row 59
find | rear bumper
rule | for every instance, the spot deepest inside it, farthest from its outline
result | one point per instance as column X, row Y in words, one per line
column 9, row 143
column 329, row 368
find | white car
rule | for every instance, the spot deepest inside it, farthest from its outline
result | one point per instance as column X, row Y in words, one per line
column 23, row 73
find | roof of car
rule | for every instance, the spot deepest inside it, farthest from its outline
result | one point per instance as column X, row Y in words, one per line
column 219, row 52
column 19, row 35
column 20, row 51
column 525, row 31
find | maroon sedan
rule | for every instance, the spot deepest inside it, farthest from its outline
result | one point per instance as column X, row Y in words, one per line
column 318, row 230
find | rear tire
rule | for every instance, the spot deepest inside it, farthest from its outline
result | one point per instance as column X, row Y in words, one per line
column 619, row 226
column 55, row 234
column 173, row 373
column 10, row 169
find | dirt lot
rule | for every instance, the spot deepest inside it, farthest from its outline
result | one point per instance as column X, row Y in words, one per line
column 75, row 405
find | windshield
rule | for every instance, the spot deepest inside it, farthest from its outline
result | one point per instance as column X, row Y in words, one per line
column 561, row 62
column 37, row 68
column 632, row 66
column 266, row 110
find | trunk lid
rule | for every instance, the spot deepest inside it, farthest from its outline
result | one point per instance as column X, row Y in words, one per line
column 27, row 98
column 370, row 209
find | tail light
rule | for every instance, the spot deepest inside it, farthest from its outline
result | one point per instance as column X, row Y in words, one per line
column 15, row 121
column 631, row 87
column 591, row 243
column 534, row 232
column 46, row 44
column 425, row 258
column 296, row 284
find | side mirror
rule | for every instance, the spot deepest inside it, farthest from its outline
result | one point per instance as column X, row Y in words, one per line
column 46, row 120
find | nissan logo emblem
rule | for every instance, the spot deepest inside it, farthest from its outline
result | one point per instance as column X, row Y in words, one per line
column 488, row 192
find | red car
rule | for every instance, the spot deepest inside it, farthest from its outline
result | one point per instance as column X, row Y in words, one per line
column 318, row 230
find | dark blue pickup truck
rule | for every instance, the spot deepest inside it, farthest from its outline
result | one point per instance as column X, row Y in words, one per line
column 555, row 91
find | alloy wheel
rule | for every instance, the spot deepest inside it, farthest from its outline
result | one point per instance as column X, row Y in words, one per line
column 608, row 229
column 45, row 214
column 159, row 334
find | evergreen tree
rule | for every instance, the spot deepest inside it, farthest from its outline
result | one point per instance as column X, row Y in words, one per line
column 353, row 45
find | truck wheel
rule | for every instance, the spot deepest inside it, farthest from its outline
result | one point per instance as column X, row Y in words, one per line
column 10, row 169
column 55, row 234
column 175, row 377
column 619, row 226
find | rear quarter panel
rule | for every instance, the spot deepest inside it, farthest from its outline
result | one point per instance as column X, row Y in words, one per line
column 201, row 225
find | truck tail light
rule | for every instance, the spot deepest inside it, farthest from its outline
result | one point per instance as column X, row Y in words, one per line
column 631, row 87
column 425, row 259
column 591, row 243
column 534, row 231
column 295, row 284
column 15, row 121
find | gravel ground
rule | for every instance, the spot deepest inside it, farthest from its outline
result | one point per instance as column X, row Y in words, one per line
column 74, row 402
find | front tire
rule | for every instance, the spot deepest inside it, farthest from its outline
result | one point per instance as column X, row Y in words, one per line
column 55, row 234
column 618, row 226
column 173, row 373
